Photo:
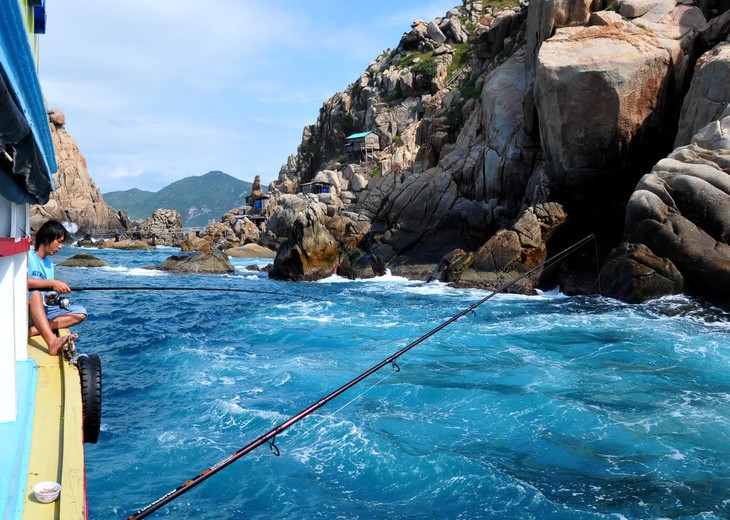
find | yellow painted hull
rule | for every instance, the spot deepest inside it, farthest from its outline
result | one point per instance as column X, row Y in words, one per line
column 57, row 449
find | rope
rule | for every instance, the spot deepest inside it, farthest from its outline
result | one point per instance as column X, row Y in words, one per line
column 270, row 436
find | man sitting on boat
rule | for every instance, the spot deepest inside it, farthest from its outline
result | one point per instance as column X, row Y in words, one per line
column 45, row 319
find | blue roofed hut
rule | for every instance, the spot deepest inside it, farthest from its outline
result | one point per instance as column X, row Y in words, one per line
column 361, row 148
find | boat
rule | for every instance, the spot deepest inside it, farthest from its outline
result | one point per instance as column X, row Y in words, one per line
column 44, row 398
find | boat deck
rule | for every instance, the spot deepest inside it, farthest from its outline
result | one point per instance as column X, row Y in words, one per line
column 46, row 442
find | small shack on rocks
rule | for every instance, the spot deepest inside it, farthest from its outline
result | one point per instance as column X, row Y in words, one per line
column 316, row 187
column 361, row 148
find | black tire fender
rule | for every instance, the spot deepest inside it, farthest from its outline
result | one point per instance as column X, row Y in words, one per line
column 90, row 374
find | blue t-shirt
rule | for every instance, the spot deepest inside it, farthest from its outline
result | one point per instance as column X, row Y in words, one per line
column 39, row 267
column 43, row 269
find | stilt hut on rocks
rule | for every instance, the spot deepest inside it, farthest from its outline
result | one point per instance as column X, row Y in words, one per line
column 361, row 148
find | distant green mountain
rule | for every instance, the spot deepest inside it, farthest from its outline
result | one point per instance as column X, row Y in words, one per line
column 199, row 199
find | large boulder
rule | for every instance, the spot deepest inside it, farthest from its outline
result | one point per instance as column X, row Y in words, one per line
column 355, row 263
column 543, row 18
column 83, row 260
column 603, row 95
column 250, row 251
column 310, row 251
column 680, row 211
column 217, row 234
column 207, row 262
column 285, row 213
column 126, row 245
column 191, row 242
column 632, row 273
column 349, row 229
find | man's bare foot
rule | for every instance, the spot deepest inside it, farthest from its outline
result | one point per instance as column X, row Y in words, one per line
column 58, row 342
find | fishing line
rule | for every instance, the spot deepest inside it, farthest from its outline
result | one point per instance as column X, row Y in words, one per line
column 270, row 436
column 333, row 415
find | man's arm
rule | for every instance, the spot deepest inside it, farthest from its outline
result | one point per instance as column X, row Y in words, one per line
column 38, row 284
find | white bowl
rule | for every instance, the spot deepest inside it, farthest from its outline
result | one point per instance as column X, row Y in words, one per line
column 46, row 491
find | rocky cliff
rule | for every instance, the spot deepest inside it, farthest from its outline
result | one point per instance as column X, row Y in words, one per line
column 76, row 199
column 506, row 134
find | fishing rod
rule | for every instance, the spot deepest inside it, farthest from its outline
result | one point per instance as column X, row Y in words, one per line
column 270, row 436
column 211, row 289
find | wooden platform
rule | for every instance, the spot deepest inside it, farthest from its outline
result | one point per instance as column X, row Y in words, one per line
column 57, row 449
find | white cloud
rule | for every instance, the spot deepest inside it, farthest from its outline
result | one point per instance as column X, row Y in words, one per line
column 154, row 90
column 120, row 172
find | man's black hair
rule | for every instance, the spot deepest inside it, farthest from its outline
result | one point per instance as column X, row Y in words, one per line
column 49, row 232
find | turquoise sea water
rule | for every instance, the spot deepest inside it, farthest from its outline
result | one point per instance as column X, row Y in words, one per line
column 544, row 407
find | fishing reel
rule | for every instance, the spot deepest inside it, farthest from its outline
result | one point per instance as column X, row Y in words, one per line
column 53, row 299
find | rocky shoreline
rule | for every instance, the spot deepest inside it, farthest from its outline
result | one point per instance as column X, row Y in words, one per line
column 496, row 137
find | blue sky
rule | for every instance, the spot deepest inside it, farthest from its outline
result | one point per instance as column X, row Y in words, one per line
column 158, row 90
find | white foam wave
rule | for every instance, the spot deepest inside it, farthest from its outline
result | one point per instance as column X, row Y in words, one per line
column 244, row 274
column 167, row 437
column 334, row 279
column 284, row 380
column 554, row 292
column 437, row 288
column 71, row 227
column 232, row 408
column 386, row 278
column 430, row 289
column 133, row 271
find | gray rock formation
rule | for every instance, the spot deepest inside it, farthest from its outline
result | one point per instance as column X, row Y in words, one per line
column 708, row 95
column 163, row 228
column 629, row 79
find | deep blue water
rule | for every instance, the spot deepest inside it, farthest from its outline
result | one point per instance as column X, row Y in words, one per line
column 544, row 407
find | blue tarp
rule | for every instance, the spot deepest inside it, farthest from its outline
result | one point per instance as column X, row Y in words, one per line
column 24, row 131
